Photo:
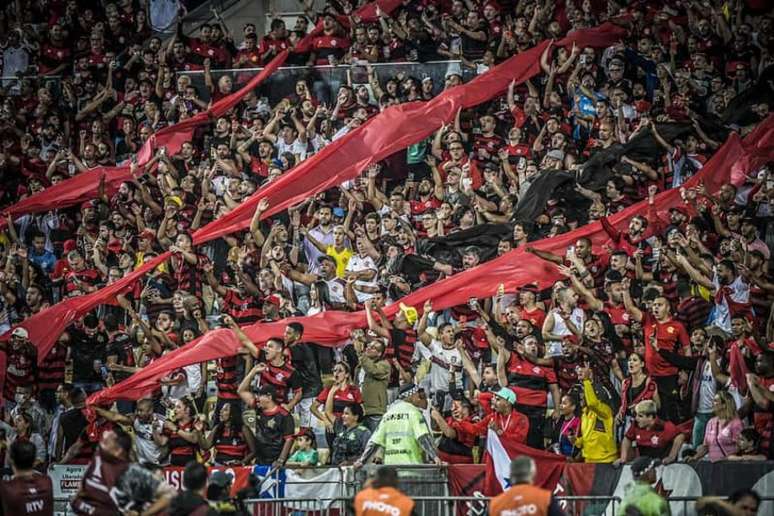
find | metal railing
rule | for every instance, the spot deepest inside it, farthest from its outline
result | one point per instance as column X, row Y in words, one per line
column 432, row 506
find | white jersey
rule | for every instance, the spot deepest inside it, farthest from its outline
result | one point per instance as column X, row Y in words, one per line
column 578, row 316
column 148, row 452
column 441, row 359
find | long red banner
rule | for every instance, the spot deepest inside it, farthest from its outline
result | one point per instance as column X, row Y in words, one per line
column 732, row 162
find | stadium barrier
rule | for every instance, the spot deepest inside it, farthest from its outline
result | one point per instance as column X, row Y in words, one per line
column 584, row 489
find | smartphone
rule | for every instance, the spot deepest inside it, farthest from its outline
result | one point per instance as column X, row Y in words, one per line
column 472, row 302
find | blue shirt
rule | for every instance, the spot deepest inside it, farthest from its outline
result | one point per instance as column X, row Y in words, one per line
column 45, row 260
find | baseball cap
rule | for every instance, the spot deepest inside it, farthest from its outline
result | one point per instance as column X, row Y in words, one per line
column 273, row 300
column 326, row 257
column 21, row 333
column 174, row 199
column 506, row 394
column 409, row 312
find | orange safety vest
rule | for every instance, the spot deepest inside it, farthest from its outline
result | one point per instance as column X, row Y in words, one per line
column 521, row 500
column 383, row 501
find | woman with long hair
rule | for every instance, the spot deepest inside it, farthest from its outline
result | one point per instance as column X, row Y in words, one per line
column 319, row 298
column 181, row 435
column 233, row 441
column 637, row 387
column 334, row 399
column 722, row 430
column 565, row 429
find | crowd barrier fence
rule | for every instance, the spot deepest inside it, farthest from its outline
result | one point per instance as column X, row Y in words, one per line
column 330, row 490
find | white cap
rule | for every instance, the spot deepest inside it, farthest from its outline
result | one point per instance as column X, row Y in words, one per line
column 20, row 332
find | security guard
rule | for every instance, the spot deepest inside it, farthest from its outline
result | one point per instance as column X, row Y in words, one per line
column 381, row 496
column 522, row 498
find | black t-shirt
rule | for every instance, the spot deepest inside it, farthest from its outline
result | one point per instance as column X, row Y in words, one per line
column 271, row 431
column 305, row 363
column 73, row 423
column 84, row 350
column 120, row 346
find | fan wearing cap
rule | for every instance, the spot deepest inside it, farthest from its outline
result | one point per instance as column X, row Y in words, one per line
column 640, row 497
column 509, row 424
column 403, row 432
column 274, row 426
column 21, row 362
column 399, row 333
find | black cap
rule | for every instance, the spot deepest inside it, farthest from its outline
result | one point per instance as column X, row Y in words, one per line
column 326, row 258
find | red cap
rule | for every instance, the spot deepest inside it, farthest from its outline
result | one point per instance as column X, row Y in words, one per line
column 69, row 245
column 87, row 204
column 273, row 299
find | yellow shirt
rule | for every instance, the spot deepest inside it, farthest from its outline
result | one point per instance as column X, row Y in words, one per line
column 597, row 439
column 341, row 258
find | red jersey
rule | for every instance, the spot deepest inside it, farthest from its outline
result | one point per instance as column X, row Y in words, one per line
column 21, row 368
column 101, row 477
column 243, row 310
column 669, row 335
column 655, row 442
column 31, row 495
column 342, row 399
column 536, row 317
column 228, row 378
column 529, row 381
column 283, row 378
column 75, row 281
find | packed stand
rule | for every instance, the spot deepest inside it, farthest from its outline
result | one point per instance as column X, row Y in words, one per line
column 656, row 345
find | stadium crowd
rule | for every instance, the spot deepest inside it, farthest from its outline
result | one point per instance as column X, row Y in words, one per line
column 657, row 344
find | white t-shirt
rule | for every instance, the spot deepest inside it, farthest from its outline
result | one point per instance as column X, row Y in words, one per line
column 358, row 264
column 440, row 358
column 296, row 147
column 739, row 292
column 148, row 452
